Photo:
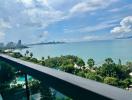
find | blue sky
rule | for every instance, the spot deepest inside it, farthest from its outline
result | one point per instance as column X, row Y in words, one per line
column 64, row 20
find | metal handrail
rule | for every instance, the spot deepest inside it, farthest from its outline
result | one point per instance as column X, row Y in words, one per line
column 71, row 85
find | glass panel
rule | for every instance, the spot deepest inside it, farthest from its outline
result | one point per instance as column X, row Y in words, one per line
column 10, row 87
column 13, row 86
column 39, row 90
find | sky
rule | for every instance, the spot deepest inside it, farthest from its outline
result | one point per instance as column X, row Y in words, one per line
column 64, row 20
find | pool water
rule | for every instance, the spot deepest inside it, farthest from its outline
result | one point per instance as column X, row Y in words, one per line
column 22, row 78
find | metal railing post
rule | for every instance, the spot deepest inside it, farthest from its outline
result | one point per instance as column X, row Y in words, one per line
column 27, row 88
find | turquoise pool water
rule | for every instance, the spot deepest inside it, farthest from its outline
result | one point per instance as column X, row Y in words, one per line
column 22, row 78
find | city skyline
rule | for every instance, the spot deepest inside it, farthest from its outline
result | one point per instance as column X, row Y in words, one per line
column 81, row 20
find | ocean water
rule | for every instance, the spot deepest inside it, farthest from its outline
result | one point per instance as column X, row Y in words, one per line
column 98, row 50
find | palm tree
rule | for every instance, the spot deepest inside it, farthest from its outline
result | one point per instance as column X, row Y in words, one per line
column 42, row 58
column 48, row 57
column 27, row 52
column 42, row 61
column 109, row 61
column 90, row 62
column 119, row 62
column 31, row 54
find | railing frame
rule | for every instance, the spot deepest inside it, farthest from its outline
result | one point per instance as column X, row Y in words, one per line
column 73, row 86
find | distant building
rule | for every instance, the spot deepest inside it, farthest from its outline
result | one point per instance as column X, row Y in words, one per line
column 19, row 44
column 1, row 45
column 10, row 45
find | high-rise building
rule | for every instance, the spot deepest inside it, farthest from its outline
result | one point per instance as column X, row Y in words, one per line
column 19, row 44
column 10, row 45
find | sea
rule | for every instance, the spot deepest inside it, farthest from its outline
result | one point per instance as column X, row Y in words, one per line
column 98, row 50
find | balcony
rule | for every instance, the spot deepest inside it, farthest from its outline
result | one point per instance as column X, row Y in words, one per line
column 68, row 85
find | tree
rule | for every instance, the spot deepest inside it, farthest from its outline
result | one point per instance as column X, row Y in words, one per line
column 80, row 62
column 90, row 62
column 68, row 68
column 35, row 60
column 111, row 81
column 31, row 54
column 34, row 86
column 125, row 83
column 122, row 71
column 42, row 61
column 52, row 62
column 108, row 69
column 129, row 65
column 46, row 93
column 128, row 82
column 48, row 57
column 7, row 74
column 17, row 55
column 27, row 52
column 42, row 58
column 81, row 73
column 119, row 62
column 94, row 76
column 109, row 61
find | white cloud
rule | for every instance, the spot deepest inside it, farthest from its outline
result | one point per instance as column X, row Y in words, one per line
column 39, row 37
column 91, row 5
column 115, row 9
column 40, row 13
column 91, row 38
column 125, row 26
column 88, row 38
column 4, row 24
column 44, row 34
column 31, row 13
column 2, row 34
column 96, row 37
column 97, row 27
column 42, row 37
column 122, row 8
column 26, row 3
column 101, row 26
column 44, row 2
column 43, row 17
